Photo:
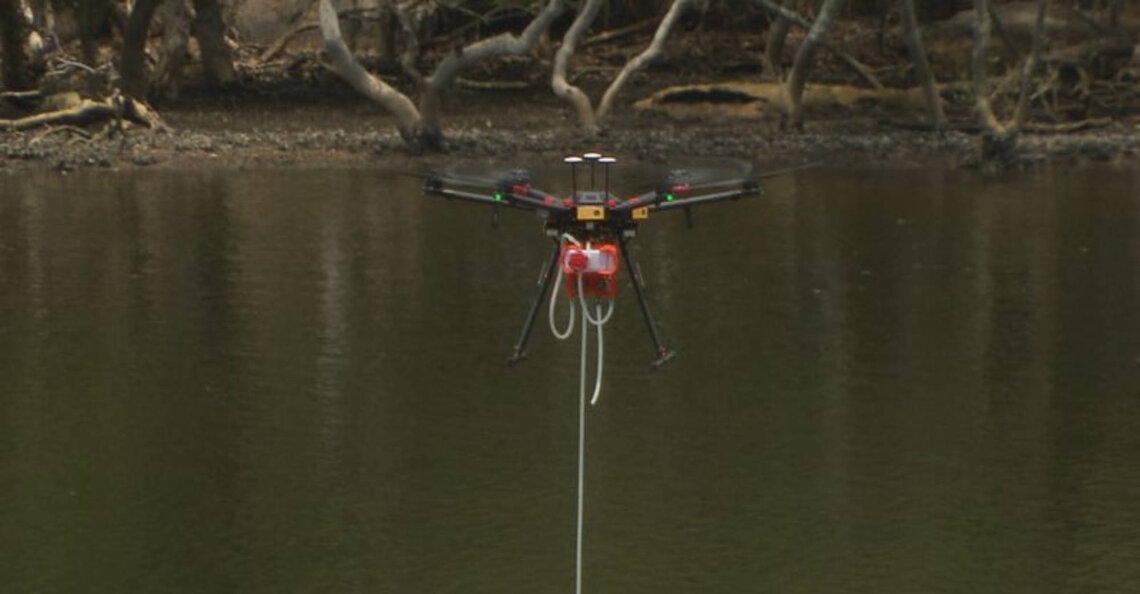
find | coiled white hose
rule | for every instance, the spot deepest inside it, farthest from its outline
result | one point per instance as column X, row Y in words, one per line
column 598, row 320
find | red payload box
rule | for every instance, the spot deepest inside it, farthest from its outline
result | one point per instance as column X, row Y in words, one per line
column 596, row 264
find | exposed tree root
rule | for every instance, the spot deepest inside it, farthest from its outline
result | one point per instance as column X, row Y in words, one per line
column 1068, row 127
column 60, row 129
column 87, row 112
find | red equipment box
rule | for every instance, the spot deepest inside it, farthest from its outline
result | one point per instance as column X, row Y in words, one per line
column 596, row 264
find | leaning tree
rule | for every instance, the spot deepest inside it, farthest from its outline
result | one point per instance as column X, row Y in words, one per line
column 589, row 118
column 922, row 64
column 999, row 137
column 797, row 78
column 419, row 122
column 817, row 31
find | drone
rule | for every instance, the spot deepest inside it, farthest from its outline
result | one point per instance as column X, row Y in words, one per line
column 591, row 230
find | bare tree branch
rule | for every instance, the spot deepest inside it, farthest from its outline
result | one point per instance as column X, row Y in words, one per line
column 645, row 57
column 983, row 17
column 982, row 29
column 503, row 44
column 588, row 118
column 349, row 69
column 297, row 28
column 611, row 35
column 794, row 89
column 563, row 89
column 794, row 18
column 777, row 34
column 922, row 65
column 1030, row 65
column 1000, row 138
column 422, row 124
column 411, row 51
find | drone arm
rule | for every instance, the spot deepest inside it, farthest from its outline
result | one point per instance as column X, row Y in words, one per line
column 540, row 195
column 533, row 199
column 469, row 196
column 645, row 199
column 690, row 201
column 537, row 200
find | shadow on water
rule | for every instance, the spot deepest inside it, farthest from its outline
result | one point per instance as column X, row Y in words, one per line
column 274, row 381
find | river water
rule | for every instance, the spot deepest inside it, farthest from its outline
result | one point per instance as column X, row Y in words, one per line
column 273, row 381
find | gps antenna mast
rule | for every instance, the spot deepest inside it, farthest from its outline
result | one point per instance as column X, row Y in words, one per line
column 593, row 159
column 572, row 161
column 607, row 161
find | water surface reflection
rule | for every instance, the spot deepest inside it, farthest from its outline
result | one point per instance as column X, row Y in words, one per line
column 890, row 381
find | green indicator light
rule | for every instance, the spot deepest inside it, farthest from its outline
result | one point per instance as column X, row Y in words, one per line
column 498, row 196
column 670, row 197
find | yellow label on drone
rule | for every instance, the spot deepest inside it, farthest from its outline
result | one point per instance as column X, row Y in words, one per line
column 591, row 213
column 641, row 213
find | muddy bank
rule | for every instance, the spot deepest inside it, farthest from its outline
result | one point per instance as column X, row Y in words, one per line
column 354, row 133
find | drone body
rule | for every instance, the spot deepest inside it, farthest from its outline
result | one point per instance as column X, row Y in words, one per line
column 591, row 228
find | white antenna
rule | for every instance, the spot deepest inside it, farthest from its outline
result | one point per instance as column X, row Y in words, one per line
column 573, row 161
column 592, row 158
column 607, row 161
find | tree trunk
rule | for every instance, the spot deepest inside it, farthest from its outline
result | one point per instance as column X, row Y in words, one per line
column 922, row 65
column 982, row 28
column 210, row 30
column 175, row 39
column 421, row 127
column 999, row 139
column 13, row 39
column 589, row 119
column 410, row 54
column 794, row 88
column 1030, row 65
column 135, row 78
column 794, row 18
column 349, row 69
column 456, row 61
column 92, row 16
column 774, row 48
column 644, row 58
column 564, row 90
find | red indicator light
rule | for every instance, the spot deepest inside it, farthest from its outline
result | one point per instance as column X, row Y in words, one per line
column 577, row 260
column 596, row 267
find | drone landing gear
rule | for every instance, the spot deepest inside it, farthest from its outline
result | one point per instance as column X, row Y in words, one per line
column 543, row 285
column 663, row 354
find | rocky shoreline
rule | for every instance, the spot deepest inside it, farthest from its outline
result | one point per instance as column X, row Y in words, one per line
column 321, row 136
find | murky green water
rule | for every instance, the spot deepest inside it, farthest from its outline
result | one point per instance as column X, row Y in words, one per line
column 889, row 381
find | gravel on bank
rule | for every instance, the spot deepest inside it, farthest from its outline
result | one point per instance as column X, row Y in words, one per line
column 377, row 143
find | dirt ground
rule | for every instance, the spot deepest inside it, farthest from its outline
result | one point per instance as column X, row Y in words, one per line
column 343, row 131
column 314, row 120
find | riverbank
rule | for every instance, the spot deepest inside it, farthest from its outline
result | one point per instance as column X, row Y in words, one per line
column 349, row 132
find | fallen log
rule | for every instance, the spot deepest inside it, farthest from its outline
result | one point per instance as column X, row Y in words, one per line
column 87, row 112
column 762, row 100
